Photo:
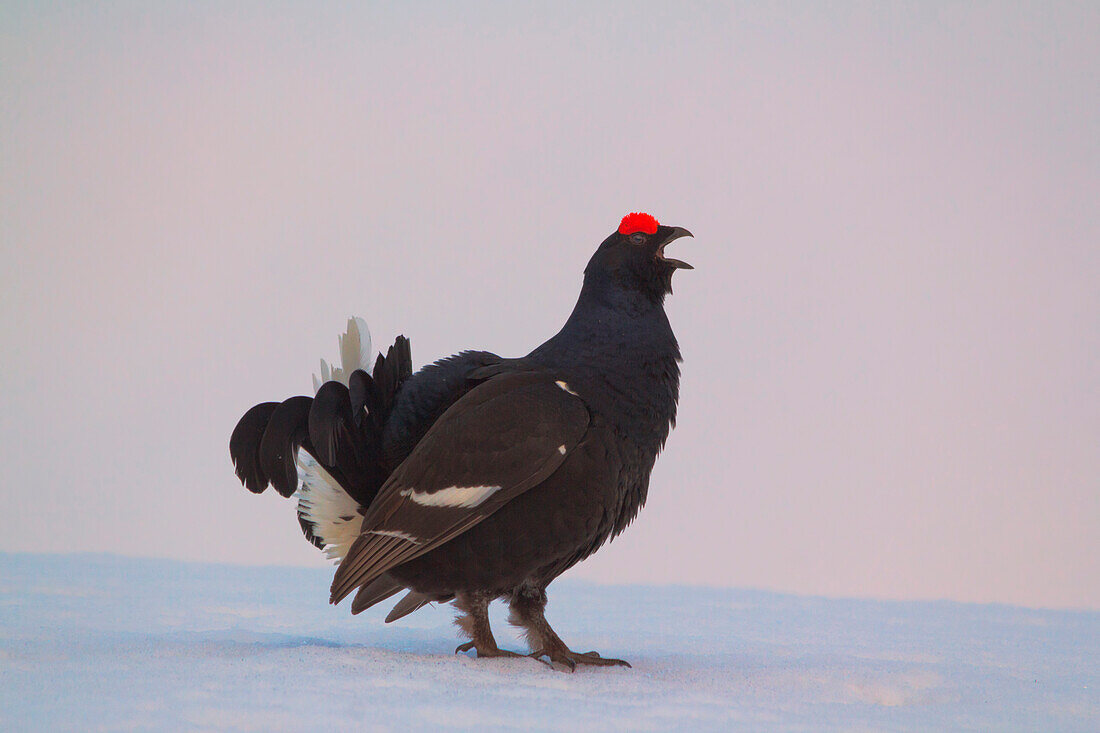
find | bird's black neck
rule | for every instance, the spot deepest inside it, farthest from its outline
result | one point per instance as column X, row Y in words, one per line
column 620, row 349
column 610, row 320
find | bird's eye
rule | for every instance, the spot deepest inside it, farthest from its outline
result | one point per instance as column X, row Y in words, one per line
column 637, row 238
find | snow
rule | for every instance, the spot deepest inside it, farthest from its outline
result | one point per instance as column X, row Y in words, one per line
column 96, row 642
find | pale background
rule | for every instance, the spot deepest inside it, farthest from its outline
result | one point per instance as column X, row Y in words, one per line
column 891, row 382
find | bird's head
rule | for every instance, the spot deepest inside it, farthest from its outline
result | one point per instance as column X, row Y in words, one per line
column 633, row 258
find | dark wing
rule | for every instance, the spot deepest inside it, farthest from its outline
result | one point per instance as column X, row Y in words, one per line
column 502, row 438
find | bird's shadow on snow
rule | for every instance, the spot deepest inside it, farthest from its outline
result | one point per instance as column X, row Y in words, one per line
column 413, row 642
column 253, row 638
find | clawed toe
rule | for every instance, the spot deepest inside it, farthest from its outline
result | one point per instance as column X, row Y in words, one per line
column 596, row 659
column 486, row 652
column 570, row 659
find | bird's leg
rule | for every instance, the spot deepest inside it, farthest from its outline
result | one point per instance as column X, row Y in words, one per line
column 527, row 606
column 474, row 622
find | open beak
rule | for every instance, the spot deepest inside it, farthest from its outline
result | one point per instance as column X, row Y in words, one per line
column 677, row 232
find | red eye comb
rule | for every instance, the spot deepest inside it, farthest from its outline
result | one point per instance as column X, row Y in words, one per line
column 638, row 222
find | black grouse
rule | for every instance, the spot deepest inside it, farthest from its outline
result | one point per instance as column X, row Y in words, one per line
column 481, row 477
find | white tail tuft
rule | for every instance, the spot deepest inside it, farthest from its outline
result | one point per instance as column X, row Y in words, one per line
column 355, row 353
column 355, row 347
column 334, row 515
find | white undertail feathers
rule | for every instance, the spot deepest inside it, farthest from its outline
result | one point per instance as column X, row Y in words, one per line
column 335, row 515
column 321, row 501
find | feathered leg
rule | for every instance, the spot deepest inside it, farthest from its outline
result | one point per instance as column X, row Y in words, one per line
column 475, row 623
column 527, row 606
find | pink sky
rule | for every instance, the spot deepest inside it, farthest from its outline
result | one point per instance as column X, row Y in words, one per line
column 891, row 382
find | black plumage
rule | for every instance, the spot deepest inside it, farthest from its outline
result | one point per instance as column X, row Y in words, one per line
column 244, row 446
column 480, row 477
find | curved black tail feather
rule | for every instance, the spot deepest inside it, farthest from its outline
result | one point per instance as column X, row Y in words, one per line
column 345, row 444
column 287, row 430
column 341, row 428
column 244, row 446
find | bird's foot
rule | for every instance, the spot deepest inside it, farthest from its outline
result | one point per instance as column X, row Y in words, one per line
column 485, row 650
column 569, row 659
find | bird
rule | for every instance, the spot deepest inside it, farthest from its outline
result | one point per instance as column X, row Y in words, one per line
column 478, row 477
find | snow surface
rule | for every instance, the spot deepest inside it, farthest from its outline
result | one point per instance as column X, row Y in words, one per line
column 93, row 642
